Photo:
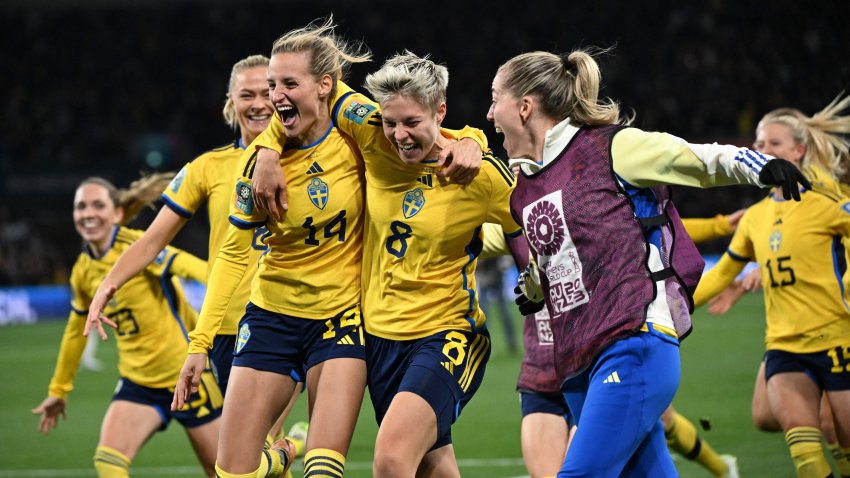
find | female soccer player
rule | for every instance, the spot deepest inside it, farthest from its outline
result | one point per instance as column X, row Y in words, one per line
column 615, row 263
column 816, row 145
column 208, row 179
column 304, row 309
column 151, row 317
column 427, row 344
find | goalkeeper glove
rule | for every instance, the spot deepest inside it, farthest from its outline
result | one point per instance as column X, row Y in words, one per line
column 530, row 299
column 779, row 172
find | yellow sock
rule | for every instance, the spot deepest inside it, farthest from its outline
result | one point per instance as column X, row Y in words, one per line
column 682, row 437
column 274, row 463
column 841, row 457
column 111, row 463
column 323, row 462
column 807, row 452
column 219, row 473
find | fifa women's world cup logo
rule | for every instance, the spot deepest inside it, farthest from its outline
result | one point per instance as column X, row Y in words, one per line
column 545, row 228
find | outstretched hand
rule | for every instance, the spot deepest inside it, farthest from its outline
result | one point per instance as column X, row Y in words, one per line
column 50, row 409
column 782, row 173
column 96, row 317
column 530, row 299
column 269, row 185
column 460, row 161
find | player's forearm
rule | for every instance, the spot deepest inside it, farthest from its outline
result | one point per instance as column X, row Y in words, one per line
column 188, row 266
column 717, row 279
column 706, row 229
column 229, row 268
column 273, row 137
column 68, row 360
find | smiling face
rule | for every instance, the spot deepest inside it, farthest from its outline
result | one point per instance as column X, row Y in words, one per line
column 95, row 215
column 505, row 114
column 776, row 140
column 412, row 128
column 250, row 96
column 299, row 97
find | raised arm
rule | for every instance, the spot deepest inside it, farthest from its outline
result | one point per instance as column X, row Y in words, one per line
column 647, row 159
column 134, row 260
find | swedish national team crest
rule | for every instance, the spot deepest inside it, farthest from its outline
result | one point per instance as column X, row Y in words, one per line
column 242, row 339
column 414, row 201
column 318, row 192
column 775, row 241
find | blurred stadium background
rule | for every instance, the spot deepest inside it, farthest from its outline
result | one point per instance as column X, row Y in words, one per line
column 116, row 87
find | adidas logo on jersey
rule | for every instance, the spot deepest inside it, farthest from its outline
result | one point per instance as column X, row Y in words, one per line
column 426, row 180
column 778, row 222
column 315, row 169
column 613, row 378
column 345, row 341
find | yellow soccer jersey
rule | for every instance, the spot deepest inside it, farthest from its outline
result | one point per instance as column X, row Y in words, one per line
column 798, row 246
column 312, row 267
column 210, row 179
column 150, row 310
column 423, row 239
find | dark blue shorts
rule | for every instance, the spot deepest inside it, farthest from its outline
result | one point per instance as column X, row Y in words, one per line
column 202, row 407
column 290, row 345
column 445, row 369
column 830, row 369
column 540, row 402
column 221, row 359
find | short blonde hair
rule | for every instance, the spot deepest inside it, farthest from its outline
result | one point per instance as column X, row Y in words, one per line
column 229, row 111
column 562, row 92
column 408, row 75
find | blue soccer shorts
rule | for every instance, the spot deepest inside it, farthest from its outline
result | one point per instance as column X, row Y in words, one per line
column 289, row 345
column 445, row 369
column 202, row 407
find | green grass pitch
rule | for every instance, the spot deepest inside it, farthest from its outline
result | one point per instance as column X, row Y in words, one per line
column 719, row 363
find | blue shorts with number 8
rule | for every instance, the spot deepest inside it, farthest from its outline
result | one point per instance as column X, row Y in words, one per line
column 445, row 369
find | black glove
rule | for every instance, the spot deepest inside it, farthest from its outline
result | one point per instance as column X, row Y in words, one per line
column 527, row 306
column 779, row 172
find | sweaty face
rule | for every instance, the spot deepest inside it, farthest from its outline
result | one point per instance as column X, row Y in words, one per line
column 776, row 140
column 250, row 96
column 504, row 113
column 299, row 98
column 412, row 128
column 95, row 215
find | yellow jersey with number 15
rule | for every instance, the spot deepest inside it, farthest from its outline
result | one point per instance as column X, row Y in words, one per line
column 798, row 246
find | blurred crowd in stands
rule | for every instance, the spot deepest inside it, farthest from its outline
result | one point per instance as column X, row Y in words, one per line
column 116, row 87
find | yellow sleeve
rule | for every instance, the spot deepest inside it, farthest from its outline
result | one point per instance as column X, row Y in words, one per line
column 717, row 279
column 502, row 184
column 840, row 222
column 73, row 343
column 645, row 159
column 187, row 191
column 474, row 134
column 702, row 230
column 187, row 266
column 494, row 241
column 273, row 137
column 230, row 265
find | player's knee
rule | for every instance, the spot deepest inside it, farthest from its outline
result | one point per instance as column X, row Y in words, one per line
column 390, row 465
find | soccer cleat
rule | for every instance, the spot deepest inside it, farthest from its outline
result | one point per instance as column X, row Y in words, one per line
column 298, row 437
column 286, row 450
column 731, row 466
